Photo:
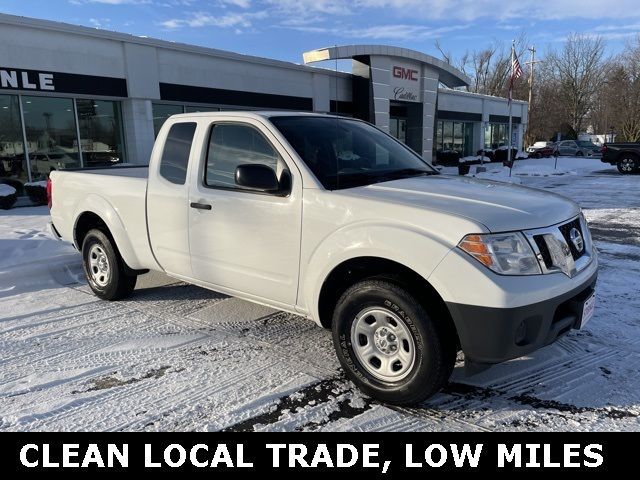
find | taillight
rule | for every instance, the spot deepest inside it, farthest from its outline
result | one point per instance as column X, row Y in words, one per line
column 49, row 193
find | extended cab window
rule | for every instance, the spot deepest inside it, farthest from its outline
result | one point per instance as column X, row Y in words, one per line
column 231, row 145
column 175, row 155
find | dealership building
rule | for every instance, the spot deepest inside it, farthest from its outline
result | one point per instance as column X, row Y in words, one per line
column 74, row 96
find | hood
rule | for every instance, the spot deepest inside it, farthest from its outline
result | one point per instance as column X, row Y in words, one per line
column 499, row 206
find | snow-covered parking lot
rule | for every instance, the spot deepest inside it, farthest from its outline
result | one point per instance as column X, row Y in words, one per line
column 178, row 357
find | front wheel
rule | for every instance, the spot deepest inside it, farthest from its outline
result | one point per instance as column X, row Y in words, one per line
column 104, row 268
column 389, row 345
column 627, row 165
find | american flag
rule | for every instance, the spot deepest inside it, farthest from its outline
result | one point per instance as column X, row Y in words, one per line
column 516, row 72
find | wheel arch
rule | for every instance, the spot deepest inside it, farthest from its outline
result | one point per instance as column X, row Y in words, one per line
column 98, row 213
column 356, row 269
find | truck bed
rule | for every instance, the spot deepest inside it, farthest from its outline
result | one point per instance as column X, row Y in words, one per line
column 116, row 192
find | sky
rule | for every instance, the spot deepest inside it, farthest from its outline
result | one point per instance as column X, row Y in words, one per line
column 283, row 29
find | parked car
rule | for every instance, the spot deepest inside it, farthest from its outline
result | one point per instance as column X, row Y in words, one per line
column 577, row 148
column 625, row 156
column 43, row 163
column 334, row 220
column 541, row 149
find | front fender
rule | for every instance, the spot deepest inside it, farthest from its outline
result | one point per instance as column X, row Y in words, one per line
column 98, row 205
column 403, row 244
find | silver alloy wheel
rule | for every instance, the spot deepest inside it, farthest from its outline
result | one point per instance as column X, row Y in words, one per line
column 627, row 164
column 99, row 267
column 383, row 344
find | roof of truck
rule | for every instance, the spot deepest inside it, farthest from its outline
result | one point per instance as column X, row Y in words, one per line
column 253, row 113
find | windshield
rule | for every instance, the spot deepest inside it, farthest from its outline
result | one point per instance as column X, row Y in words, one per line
column 344, row 153
column 587, row 144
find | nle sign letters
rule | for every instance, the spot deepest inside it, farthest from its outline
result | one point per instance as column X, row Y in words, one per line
column 26, row 80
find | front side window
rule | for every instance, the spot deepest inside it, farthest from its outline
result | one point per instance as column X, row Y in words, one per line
column 175, row 155
column 344, row 153
column 232, row 145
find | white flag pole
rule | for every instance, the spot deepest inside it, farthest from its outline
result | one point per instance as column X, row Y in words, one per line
column 509, row 159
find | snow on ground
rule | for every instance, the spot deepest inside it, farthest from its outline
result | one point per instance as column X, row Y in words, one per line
column 178, row 357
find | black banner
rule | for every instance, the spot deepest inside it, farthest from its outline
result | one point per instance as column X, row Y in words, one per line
column 381, row 455
column 58, row 82
column 187, row 93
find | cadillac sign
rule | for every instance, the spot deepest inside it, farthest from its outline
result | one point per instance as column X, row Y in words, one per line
column 405, row 82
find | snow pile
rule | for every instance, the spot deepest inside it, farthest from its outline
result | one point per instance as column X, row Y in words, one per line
column 41, row 183
column 540, row 171
column 6, row 190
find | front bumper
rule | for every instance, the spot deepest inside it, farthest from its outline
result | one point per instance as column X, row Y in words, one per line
column 492, row 335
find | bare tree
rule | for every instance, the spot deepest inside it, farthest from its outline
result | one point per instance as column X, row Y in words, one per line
column 580, row 70
column 489, row 68
column 629, row 95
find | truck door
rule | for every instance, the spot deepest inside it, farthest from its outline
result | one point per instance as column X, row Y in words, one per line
column 242, row 240
column 168, row 199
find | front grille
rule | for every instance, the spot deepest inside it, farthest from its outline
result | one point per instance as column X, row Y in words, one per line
column 555, row 250
column 565, row 231
column 544, row 250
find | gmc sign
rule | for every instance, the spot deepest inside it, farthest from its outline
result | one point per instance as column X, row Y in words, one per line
column 405, row 73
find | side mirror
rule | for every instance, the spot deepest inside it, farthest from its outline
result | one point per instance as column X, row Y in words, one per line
column 257, row 177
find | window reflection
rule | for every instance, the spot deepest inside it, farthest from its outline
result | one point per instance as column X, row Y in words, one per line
column 51, row 135
column 161, row 112
column 100, row 132
column 496, row 135
column 13, row 168
column 454, row 137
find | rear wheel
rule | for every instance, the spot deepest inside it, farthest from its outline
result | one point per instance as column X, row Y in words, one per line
column 579, row 154
column 627, row 164
column 389, row 345
column 104, row 268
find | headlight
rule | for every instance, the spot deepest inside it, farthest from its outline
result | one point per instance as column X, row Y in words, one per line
column 504, row 253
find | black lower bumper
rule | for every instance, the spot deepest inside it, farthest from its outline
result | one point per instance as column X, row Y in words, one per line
column 493, row 335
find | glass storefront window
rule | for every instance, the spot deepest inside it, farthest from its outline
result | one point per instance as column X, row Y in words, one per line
column 496, row 135
column 100, row 132
column 52, row 143
column 454, row 136
column 163, row 111
column 13, row 168
column 447, row 135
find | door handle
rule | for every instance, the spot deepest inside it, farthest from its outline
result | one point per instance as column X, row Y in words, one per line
column 200, row 206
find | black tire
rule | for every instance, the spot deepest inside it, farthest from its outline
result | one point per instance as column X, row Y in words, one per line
column 119, row 283
column 579, row 154
column 435, row 346
column 628, row 164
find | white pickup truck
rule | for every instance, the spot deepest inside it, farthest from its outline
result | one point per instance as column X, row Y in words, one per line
column 334, row 220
